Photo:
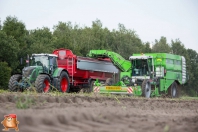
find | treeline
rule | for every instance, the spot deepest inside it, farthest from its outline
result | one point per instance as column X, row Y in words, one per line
column 16, row 42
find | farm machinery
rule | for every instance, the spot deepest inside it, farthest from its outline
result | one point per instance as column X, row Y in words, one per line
column 62, row 70
column 150, row 74
column 41, row 72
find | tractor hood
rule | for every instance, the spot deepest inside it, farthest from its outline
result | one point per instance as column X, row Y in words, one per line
column 27, row 71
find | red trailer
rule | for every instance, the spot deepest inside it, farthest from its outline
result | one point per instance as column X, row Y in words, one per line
column 83, row 71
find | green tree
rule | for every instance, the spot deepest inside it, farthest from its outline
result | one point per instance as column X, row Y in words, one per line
column 9, row 50
column 147, row 48
column 126, row 42
column 161, row 46
column 63, row 35
column 192, row 67
column 13, row 27
column 16, row 29
column 99, row 35
column 5, row 72
column 178, row 48
column 39, row 41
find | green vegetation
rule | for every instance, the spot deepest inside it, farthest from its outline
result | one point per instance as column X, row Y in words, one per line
column 5, row 72
column 24, row 102
column 16, row 42
column 189, row 98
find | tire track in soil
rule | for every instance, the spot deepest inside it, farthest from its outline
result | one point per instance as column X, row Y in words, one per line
column 91, row 114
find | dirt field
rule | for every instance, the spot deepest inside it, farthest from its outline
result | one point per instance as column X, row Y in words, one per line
column 83, row 113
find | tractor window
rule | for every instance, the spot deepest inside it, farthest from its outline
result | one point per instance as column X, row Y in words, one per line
column 53, row 64
column 39, row 61
column 52, row 61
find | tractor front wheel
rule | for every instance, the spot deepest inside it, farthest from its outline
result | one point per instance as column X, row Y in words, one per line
column 146, row 88
column 42, row 83
column 13, row 83
column 63, row 82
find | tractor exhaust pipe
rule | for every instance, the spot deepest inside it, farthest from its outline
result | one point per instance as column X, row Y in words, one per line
column 28, row 60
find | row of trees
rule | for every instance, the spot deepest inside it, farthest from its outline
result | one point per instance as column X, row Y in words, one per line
column 16, row 42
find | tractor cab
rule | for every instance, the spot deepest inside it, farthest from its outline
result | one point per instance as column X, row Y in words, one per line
column 48, row 62
column 142, row 67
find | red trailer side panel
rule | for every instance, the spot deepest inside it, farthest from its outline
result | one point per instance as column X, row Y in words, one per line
column 81, row 69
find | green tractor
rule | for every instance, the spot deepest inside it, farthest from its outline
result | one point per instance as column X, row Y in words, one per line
column 43, row 73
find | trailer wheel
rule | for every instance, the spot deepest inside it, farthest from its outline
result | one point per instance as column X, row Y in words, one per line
column 174, row 90
column 63, row 82
column 146, row 89
column 13, row 83
column 42, row 83
column 109, row 82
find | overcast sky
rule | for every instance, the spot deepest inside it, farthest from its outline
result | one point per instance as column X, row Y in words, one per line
column 151, row 19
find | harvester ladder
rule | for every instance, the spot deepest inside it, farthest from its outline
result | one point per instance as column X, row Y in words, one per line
column 70, row 67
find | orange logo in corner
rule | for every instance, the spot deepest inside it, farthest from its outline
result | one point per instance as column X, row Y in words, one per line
column 10, row 122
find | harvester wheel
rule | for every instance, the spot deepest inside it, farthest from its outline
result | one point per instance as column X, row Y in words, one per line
column 109, row 82
column 174, row 90
column 91, row 85
column 42, row 83
column 13, row 83
column 146, row 88
column 90, row 88
column 63, row 82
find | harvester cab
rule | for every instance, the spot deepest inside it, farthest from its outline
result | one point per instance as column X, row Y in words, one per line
column 142, row 68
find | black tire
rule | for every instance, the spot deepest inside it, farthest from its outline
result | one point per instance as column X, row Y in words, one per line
column 91, row 86
column 174, row 90
column 109, row 82
column 63, row 82
column 90, row 89
column 146, row 88
column 42, row 83
column 13, row 83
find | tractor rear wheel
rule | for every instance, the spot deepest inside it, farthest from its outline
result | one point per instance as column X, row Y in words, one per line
column 13, row 83
column 63, row 82
column 146, row 88
column 109, row 82
column 174, row 90
column 42, row 83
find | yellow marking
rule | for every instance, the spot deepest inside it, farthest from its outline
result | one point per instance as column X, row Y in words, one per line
column 113, row 88
column 159, row 59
